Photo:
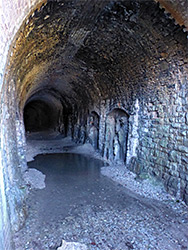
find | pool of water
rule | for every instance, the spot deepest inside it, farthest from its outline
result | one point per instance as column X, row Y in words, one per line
column 72, row 180
column 80, row 204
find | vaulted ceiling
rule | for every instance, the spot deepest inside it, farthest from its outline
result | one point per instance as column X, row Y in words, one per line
column 85, row 51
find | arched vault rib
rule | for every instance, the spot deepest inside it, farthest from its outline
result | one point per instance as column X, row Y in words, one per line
column 178, row 10
column 90, row 50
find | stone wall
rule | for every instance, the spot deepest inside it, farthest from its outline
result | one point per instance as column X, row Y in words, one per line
column 163, row 131
column 12, row 14
column 122, row 55
column 13, row 158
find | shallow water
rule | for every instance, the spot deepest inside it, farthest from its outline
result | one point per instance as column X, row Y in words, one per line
column 73, row 180
column 79, row 204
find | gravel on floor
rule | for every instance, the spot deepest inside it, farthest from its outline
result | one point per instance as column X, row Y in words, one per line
column 152, row 220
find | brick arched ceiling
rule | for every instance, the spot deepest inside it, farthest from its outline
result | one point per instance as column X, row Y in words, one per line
column 91, row 50
column 178, row 9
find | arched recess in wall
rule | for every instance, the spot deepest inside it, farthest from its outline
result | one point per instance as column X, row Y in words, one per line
column 116, row 135
column 93, row 130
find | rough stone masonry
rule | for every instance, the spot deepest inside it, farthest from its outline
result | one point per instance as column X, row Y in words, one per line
column 114, row 73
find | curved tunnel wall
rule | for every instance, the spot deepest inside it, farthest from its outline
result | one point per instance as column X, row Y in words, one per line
column 101, row 56
column 91, row 56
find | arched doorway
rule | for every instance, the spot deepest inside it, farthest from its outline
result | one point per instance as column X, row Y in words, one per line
column 93, row 133
column 116, row 135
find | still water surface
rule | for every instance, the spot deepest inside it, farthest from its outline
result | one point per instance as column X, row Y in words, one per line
column 73, row 180
column 79, row 204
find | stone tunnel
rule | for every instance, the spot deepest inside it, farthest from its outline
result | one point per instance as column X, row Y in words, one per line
column 111, row 73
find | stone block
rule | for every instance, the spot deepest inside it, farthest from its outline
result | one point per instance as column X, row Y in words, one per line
column 186, row 188
column 182, row 175
column 34, row 178
column 182, row 148
column 179, row 139
column 175, row 125
column 185, row 142
column 72, row 246
column 182, row 188
column 173, row 166
column 186, row 118
column 172, row 119
column 180, row 119
column 173, row 184
column 172, row 156
column 182, row 133
column 179, row 109
column 163, row 142
column 186, row 198
column 184, row 127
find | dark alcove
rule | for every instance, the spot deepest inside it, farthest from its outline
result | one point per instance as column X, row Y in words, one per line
column 116, row 135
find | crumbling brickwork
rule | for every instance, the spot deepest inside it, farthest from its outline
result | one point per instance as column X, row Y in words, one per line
column 86, row 60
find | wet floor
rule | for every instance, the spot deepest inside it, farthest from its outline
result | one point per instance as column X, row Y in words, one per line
column 79, row 204
column 73, row 180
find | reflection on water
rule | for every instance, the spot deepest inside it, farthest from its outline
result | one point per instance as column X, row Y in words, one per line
column 79, row 204
column 71, row 180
